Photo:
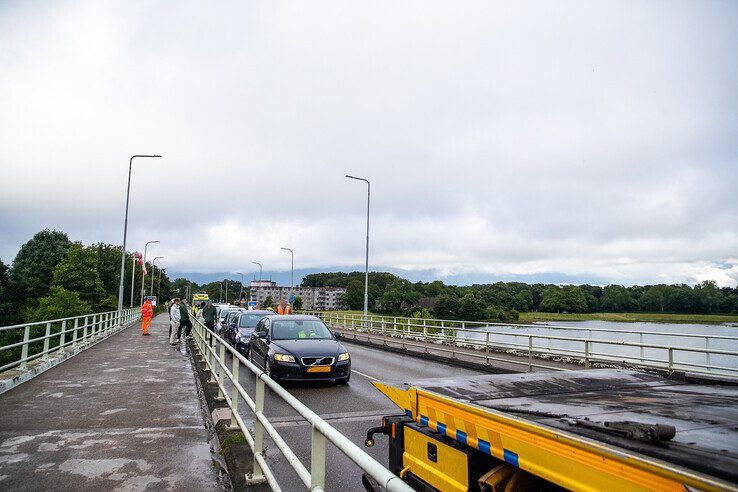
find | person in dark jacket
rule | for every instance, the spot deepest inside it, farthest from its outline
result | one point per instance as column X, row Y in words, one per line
column 185, row 322
column 208, row 315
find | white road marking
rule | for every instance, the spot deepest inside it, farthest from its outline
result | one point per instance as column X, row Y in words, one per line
column 365, row 375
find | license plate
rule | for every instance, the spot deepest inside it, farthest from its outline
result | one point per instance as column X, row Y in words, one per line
column 320, row 369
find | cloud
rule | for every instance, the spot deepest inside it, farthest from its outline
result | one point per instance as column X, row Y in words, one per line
column 579, row 139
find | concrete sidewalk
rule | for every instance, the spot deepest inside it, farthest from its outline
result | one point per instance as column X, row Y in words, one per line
column 122, row 415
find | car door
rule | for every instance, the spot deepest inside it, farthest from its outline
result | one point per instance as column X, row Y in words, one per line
column 233, row 326
column 259, row 345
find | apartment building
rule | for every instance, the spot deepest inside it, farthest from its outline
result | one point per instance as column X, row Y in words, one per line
column 313, row 298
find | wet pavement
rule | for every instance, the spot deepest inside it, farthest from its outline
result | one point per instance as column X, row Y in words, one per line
column 122, row 415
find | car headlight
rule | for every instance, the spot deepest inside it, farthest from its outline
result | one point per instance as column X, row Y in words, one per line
column 284, row 358
column 343, row 356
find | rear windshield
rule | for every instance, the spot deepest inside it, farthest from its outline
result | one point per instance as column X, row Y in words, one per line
column 249, row 320
column 298, row 329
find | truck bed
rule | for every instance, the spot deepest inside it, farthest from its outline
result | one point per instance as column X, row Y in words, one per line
column 704, row 414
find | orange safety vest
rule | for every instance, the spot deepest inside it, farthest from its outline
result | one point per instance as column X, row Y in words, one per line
column 146, row 310
column 280, row 309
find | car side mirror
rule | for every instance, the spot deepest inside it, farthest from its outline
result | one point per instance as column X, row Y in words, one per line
column 337, row 335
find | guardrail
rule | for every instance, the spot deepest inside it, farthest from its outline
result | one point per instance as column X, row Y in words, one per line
column 61, row 334
column 212, row 350
column 485, row 338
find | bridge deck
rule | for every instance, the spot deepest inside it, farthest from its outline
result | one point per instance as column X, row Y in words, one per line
column 123, row 414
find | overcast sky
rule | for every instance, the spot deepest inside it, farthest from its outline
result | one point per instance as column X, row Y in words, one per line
column 557, row 140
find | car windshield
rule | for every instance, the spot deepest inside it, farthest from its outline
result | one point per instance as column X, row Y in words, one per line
column 249, row 320
column 298, row 329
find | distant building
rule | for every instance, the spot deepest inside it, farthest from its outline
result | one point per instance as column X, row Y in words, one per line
column 313, row 298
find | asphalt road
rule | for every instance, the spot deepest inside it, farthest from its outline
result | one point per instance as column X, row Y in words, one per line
column 351, row 409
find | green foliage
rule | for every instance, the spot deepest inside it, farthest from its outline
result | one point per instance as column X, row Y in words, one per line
column 397, row 297
column 60, row 303
column 297, row 304
column 617, row 298
column 30, row 277
column 268, row 302
column 447, row 307
column 6, row 308
column 78, row 272
column 470, row 308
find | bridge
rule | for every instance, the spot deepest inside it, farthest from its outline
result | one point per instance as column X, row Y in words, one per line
column 89, row 404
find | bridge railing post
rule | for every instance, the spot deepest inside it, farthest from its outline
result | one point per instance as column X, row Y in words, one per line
column 530, row 353
column 235, row 369
column 24, row 349
column 74, row 332
column 46, row 341
column 63, row 336
column 258, row 427
column 317, row 460
column 221, row 371
column 84, row 331
column 486, row 348
column 586, row 354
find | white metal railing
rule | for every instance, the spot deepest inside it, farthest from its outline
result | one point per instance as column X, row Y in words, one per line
column 212, row 350
column 485, row 339
column 62, row 334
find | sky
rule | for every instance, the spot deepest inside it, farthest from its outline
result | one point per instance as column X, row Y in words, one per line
column 559, row 141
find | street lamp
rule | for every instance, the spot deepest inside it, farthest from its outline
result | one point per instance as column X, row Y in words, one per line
column 366, row 273
column 143, row 269
column 260, row 268
column 125, row 233
column 239, row 294
column 153, row 270
column 292, row 269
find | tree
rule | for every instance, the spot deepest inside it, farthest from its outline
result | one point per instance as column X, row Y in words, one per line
column 470, row 308
column 522, row 301
column 33, row 268
column 60, row 303
column 6, row 308
column 398, row 296
column 574, row 299
column 655, row 298
column 108, row 266
column 447, row 307
column 268, row 302
column 552, row 301
column 297, row 303
column 353, row 298
column 709, row 296
column 78, row 272
column 617, row 298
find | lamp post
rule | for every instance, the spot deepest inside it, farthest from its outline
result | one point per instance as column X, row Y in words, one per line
column 226, row 299
column 366, row 273
column 125, row 232
column 153, row 270
column 292, row 269
column 260, row 268
column 239, row 294
column 158, row 288
column 143, row 269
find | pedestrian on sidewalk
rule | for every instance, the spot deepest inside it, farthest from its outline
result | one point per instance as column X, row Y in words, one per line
column 146, row 312
column 175, row 314
column 208, row 315
column 185, row 322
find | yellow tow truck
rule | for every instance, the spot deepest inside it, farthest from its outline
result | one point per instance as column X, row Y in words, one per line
column 606, row 429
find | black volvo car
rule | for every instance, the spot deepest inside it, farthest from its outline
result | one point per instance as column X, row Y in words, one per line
column 299, row 348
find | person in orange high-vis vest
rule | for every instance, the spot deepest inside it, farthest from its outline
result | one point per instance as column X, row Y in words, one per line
column 146, row 312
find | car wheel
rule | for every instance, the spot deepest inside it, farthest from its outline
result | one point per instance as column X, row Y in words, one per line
column 344, row 380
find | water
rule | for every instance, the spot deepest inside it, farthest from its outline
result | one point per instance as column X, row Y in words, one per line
column 660, row 334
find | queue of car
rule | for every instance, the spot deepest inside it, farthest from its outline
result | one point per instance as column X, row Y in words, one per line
column 286, row 347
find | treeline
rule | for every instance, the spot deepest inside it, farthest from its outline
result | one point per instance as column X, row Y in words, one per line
column 53, row 277
column 503, row 301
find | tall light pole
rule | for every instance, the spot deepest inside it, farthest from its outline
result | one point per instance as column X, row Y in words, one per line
column 226, row 299
column 153, row 270
column 239, row 294
column 125, row 232
column 143, row 269
column 260, row 268
column 292, row 269
column 158, row 287
column 366, row 272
